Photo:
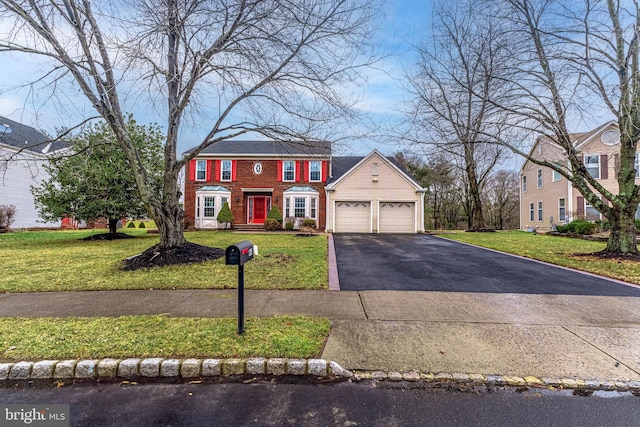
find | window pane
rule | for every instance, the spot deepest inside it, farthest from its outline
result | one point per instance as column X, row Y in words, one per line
column 226, row 170
column 209, row 206
column 201, row 170
column 287, row 206
column 524, row 184
column 299, row 211
column 562, row 210
column 289, row 171
column 313, row 208
column 531, row 212
column 539, row 178
column 314, row 171
column 592, row 163
column 539, row 211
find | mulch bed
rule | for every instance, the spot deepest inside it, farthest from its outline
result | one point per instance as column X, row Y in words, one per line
column 189, row 253
column 107, row 236
column 611, row 255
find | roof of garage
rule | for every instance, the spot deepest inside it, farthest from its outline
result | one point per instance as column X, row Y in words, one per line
column 343, row 164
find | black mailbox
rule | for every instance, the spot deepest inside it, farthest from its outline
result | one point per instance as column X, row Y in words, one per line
column 239, row 253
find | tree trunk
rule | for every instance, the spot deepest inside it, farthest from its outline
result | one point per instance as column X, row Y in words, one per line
column 169, row 216
column 113, row 226
column 622, row 239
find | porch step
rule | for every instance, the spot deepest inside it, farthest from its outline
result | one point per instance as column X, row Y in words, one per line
column 248, row 227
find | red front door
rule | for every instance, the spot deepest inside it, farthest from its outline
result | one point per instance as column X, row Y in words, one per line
column 258, row 208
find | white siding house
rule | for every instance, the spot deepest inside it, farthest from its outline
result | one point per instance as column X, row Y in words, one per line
column 23, row 151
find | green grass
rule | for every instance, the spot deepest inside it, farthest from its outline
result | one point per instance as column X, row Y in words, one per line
column 160, row 336
column 60, row 261
column 562, row 251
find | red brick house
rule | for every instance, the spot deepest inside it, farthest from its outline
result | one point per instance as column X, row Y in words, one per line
column 252, row 176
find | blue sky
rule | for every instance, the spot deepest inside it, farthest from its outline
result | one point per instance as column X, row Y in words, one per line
column 403, row 26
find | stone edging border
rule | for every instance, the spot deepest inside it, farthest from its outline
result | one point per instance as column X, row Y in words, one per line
column 160, row 368
column 167, row 368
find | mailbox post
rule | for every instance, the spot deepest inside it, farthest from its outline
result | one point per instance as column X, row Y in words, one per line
column 238, row 254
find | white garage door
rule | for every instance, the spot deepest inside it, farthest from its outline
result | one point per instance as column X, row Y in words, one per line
column 353, row 217
column 397, row 217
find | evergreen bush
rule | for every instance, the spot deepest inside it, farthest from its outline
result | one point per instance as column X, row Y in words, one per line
column 274, row 213
column 225, row 215
column 272, row 224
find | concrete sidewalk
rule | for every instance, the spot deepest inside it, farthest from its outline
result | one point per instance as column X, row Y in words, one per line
column 546, row 336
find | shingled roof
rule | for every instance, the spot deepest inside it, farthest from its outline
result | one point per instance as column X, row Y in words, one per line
column 28, row 139
column 268, row 148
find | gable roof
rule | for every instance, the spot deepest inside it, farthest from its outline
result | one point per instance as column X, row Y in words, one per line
column 28, row 139
column 342, row 166
column 267, row 148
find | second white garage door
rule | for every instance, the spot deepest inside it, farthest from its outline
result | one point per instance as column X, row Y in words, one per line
column 397, row 217
column 353, row 217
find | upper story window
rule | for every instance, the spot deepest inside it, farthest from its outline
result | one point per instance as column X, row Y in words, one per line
column 592, row 163
column 524, row 184
column 374, row 169
column 556, row 175
column 289, row 170
column 225, row 170
column 315, row 171
column 539, row 178
column 201, row 170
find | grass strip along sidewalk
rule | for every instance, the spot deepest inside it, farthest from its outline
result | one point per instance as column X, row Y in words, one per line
column 567, row 252
column 160, row 336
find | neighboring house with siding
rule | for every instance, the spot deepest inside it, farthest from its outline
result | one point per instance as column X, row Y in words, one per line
column 548, row 199
column 344, row 194
column 23, row 152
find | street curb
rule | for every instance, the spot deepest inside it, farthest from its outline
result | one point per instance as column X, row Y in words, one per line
column 441, row 378
column 171, row 369
column 161, row 368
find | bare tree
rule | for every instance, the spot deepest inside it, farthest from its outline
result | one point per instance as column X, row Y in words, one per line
column 279, row 68
column 569, row 60
column 501, row 199
column 458, row 70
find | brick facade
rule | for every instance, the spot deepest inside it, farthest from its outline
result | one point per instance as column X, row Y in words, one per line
column 245, row 183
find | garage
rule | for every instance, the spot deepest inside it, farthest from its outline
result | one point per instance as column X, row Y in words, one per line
column 353, row 217
column 397, row 217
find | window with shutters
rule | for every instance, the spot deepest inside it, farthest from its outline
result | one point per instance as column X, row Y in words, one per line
column 592, row 163
column 315, row 171
column 289, row 170
column 225, row 173
column 201, row 170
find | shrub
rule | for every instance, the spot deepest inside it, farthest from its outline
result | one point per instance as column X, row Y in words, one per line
column 274, row 213
column 142, row 225
column 271, row 224
column 308, row 222
column 581, row 227
column 637, row 225
column 225, row 214
column 7, row 216
column 131, row 224
column 561, row 228
column 289, row 225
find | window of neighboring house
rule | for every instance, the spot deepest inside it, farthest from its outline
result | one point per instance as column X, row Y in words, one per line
column 562, row 209
column 532, row 212
column 315, row 169
column 524, row 184
column 201, row 170
column 636, row 165
column 299, row 207
column 539, row 178
column 540, row 217
column 590, row 213
column 225, row 174
column 289, row 170
column 592, row 163
column 556, row 175
column 209, row 207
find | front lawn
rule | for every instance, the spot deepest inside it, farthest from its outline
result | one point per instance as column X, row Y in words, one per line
column 160, row 336
column 562, row 251
column 60, row 261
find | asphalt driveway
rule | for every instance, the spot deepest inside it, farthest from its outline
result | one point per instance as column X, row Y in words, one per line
column 415, row 262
